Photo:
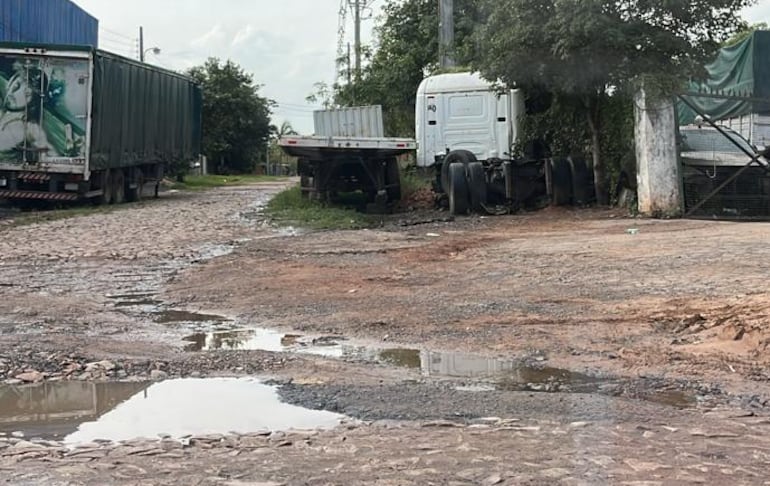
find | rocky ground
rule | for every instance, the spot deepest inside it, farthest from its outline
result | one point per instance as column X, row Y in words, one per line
column 559, row 347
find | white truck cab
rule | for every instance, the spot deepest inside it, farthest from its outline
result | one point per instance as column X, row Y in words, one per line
column 462, row 111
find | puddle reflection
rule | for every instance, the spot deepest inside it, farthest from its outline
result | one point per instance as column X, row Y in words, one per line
column 83, row 412
column 494, row 373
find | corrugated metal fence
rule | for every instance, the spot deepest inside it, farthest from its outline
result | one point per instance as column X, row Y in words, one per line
column 47, row 22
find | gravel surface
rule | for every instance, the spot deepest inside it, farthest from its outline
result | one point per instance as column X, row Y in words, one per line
column 676, row 310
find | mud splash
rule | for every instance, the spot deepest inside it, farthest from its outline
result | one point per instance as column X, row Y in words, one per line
column 78, row 412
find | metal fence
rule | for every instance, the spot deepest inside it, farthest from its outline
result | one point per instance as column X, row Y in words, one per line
column 724, row 176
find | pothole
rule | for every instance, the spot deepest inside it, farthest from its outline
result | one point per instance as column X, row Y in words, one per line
column 171, row 316
column 79, row 412
column 481, row 374
column 139, row 299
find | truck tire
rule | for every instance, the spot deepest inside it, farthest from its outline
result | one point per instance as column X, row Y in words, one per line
column 118, row 183
column 393, row 179
column 458, row 189
column 581, row 182
column 477, row 186
column 135, row 194
column 456, row 156
column 105, row 184
column 305, row 172
column 561, row 182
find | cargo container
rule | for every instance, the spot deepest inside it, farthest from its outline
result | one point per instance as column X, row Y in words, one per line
column 358, row 122
column 78, row 123
column 47, row 22
column 754, row 127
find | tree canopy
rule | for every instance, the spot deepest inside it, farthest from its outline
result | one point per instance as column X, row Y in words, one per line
column 582, row 50
column 236, row 119
column 406, row 51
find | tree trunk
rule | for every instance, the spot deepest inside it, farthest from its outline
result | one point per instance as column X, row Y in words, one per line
column 600, row 176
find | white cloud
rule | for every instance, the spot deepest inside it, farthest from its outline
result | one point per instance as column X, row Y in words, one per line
column 759, row 12
column 288, row 45
column 243, row 35
column 213, row 36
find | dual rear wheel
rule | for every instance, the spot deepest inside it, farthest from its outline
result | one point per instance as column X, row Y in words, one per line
column 464, row 181
column 116, row 189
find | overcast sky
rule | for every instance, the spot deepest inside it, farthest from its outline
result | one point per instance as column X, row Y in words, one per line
column 288, row 44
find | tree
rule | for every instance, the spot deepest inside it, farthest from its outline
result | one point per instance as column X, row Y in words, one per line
column 583, row 50
column 275, row 152
column 236, row 119
column 744, row 33
column 406, row 51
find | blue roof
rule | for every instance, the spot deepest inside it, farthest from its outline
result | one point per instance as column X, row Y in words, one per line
column 59, row 22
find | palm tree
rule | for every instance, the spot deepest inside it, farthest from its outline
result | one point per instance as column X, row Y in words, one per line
column 286, row 129
column 276, row 133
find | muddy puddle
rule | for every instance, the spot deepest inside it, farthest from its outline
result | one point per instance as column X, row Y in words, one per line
column 149, row 303
column 481, row 374
column 78, row 412
column 142, row 299
column 171, row 316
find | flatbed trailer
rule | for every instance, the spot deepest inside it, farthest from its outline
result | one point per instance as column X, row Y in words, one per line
column 331, row 165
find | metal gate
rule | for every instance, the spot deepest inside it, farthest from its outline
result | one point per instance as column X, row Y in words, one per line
column 724, row 175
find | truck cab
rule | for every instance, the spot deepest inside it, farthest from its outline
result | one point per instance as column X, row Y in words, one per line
column 467, row 128
column 462, row 111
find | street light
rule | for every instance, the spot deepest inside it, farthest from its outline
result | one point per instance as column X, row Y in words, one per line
column 155, row 50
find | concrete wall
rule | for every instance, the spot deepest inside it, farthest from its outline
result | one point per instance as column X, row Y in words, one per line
column 658, row 175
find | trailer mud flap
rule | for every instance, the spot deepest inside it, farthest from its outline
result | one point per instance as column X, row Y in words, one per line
column 39, row 195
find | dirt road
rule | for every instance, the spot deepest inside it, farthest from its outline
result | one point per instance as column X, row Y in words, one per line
column 563, row 347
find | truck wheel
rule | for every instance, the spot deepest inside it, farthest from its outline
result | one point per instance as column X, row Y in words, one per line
column 105, row 184
column 581, row 182
column 458, row 189
column 464, row 157
column 393, row 179
column 118, row 186
column 477, row 186
column 561, row 182
column 135, row 194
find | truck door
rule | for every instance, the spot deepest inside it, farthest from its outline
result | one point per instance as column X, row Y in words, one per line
column 503, row 127
column 432, row 139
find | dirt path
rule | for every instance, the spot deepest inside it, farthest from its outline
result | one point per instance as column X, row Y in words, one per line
column 627, row 356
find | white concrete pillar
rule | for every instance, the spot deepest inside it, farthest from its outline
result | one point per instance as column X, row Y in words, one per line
column 659, row 184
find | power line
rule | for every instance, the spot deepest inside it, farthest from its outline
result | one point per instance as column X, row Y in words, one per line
column 298, row 105
column 296, row 110
column 117, row 40
column 105, row 29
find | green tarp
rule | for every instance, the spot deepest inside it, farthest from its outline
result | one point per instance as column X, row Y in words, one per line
column 741, row 70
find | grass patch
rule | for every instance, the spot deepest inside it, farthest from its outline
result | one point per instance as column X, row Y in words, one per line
column 289, row 207
column 413, row 181
column 200, row 183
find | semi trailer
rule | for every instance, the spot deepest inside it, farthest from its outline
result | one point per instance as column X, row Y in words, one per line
column 77, row 123
column 349, row 153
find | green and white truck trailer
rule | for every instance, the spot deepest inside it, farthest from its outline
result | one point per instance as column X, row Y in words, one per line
column 78, row 123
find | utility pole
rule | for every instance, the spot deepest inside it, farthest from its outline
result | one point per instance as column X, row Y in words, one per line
column 141, row 44
column 349, row 67
column 446, row 34
column 357, row 19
